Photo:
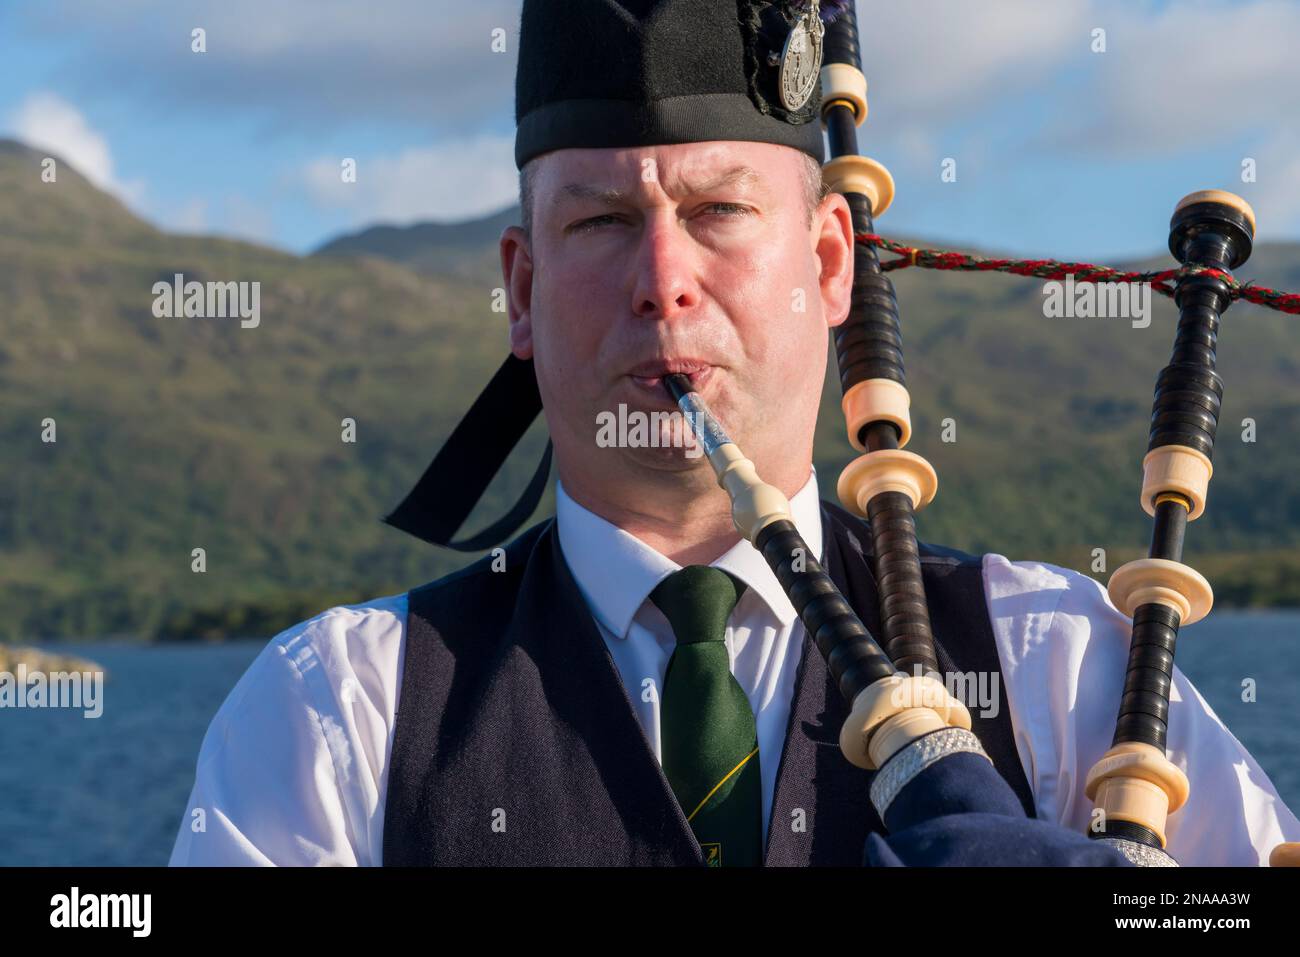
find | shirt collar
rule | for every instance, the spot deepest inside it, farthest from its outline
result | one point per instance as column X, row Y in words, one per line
column 615, row 571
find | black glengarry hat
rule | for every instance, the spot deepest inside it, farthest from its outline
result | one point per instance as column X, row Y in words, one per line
column 609, row 73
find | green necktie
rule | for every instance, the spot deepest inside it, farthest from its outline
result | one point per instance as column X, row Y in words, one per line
column 710, row 740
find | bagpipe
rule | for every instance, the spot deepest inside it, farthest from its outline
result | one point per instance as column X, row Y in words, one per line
column 934, row 788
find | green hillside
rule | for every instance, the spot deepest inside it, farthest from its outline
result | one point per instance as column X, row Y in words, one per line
column 466, row 250
column 174, row 434
column 181, row 433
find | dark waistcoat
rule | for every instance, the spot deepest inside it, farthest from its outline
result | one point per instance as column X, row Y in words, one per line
column 515, row 741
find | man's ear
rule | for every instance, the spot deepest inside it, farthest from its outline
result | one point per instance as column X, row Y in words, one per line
column 517, row 270
column 833, row 246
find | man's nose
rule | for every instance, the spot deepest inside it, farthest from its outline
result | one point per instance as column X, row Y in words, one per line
column 666, row 278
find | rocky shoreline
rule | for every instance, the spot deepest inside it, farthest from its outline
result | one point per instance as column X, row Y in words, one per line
column 11, row 656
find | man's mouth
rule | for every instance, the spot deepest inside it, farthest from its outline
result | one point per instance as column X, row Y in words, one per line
column 649, row 376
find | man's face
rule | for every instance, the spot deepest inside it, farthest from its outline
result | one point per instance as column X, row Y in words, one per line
column 694, row 258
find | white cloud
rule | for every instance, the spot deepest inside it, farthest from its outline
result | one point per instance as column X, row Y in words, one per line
column 248, row 220
column 1275, row 195
column 46, row 121
column 233, row 215
column 929, row 63
column 457, row 179
column 190, row 217
column 1184, row 77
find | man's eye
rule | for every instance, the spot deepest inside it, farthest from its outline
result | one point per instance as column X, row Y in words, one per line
column 729, row 209
column 584, row 225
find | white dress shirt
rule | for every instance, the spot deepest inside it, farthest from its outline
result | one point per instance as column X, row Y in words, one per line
column 293, row 769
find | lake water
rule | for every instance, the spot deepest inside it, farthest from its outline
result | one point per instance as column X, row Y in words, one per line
column 111, row 791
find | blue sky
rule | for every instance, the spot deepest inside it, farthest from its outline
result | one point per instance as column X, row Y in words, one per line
column 1060, row 151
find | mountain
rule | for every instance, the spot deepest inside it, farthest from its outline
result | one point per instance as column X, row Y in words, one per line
column 466, row 249
column 177, row 434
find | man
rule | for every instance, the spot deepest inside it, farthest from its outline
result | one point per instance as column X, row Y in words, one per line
column 523, row 710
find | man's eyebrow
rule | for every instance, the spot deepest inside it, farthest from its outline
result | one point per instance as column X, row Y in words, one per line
column 737, row 174
column 610, row 196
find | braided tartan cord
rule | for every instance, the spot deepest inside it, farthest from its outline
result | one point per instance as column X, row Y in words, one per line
column 1161, row 281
